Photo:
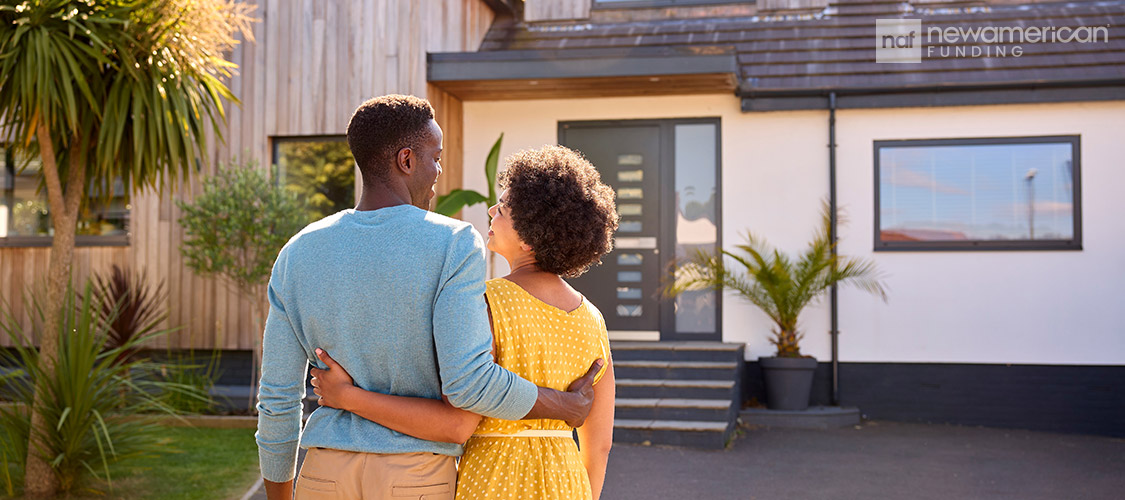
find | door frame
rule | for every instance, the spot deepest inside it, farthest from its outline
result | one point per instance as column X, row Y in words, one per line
column 667, row 242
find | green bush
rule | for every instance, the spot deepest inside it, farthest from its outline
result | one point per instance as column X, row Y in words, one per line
column 100, row 403
column 236, row 227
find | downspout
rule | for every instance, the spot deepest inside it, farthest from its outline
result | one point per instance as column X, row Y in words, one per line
column 834, row 305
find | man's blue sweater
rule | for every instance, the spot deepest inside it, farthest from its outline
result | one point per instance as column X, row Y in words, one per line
column 396, row 296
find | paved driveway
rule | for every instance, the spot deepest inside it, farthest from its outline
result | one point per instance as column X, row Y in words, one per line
column 877, row 460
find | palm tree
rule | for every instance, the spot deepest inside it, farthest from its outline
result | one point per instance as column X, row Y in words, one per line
column 113, row 90
column 778, row 284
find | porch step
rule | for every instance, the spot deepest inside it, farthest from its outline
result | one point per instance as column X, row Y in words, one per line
column 666, row 388
column 677, row 351
column 695, row 370
column 677, row 393
column 703, row 410
column 697, row 434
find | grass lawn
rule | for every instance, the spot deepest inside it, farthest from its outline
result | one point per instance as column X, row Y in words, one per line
column 201, row 464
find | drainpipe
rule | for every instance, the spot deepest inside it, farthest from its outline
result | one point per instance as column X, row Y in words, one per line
column 834, row 332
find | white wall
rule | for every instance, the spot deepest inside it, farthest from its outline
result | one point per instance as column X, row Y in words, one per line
column 973, row 307
column 1033, row 307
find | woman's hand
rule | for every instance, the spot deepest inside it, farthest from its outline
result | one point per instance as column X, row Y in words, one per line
column 333, row 385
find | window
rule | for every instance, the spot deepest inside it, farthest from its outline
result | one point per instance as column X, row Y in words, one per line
column 1020, row 193
column 320, row 170
column 24, row 216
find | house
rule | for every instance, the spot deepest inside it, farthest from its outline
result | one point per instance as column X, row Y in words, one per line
column 983, row 183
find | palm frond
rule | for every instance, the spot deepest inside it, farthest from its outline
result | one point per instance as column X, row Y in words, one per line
column 778, row 284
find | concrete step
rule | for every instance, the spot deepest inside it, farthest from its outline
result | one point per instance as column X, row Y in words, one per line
column 677, row 351
column 706, row 410
column 689, row 370
column 698, row 434
column 682, row 389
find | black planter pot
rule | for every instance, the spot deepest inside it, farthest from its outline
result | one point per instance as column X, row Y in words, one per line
column 788, row 382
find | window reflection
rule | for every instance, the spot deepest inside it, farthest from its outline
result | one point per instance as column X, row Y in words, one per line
column 630, row 226
column 629, row 209
column 630, row 259
column 696, row 230
column 320, row 171
column 630, row 311
column 629, row 276
column 631, row 175
column 630, row 193
column 24, row 208
column 976, row 192
column 624, row 292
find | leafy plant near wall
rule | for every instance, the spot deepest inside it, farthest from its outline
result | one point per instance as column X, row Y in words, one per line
column 458, row 199
column 98, row 402
column 191, row 381
column 129, row 305
column 235, row 229
column 779, row 284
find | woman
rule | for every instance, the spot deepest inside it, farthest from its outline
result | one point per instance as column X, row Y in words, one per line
column 554, row 218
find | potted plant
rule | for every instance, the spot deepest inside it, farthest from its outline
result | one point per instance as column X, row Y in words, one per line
column 781, row 286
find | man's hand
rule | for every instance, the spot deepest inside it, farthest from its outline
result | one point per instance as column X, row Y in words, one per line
column 334, row 384
column 571, row 406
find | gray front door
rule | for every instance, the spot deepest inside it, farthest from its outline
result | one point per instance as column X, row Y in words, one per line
column 666, row 174
column 626, row 287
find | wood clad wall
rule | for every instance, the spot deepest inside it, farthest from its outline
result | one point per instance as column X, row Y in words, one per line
column 311, row 64
column 555, row 10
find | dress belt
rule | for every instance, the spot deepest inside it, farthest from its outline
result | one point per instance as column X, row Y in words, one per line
column 529, row 433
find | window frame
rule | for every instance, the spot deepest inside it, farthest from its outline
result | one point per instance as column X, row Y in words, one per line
column 80, row 240
column 1075, row 243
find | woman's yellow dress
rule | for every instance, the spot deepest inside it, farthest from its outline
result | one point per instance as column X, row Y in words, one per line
column 550, row 347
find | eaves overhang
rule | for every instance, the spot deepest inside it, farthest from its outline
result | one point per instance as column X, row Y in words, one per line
column 573, row 73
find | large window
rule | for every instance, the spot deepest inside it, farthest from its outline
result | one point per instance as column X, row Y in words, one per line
column 320, row 170
column 26, row 221
column 1018, row 193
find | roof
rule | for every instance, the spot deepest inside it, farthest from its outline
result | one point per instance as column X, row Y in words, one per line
column 793, row 62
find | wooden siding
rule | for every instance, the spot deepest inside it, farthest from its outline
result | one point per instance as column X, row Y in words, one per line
column 312, row 63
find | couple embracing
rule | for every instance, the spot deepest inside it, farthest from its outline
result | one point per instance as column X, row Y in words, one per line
column 416, row 358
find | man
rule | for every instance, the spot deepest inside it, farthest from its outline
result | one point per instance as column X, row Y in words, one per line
column 396, row 294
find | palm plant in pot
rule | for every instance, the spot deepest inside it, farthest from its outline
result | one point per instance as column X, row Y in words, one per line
column 781, row 286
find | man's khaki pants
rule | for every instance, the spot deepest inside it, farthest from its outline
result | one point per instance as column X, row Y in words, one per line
column 345, row 475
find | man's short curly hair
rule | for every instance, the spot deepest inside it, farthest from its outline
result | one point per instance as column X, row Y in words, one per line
column 560, row 207
column 381, row 127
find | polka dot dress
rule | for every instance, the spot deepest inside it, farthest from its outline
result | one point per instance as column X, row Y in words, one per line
column 551, row 348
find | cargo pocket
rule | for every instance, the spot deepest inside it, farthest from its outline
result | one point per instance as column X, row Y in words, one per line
column 312, row 488
column 440, row 491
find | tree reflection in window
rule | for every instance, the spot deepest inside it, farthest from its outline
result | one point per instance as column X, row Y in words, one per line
column 24, row 208
column 321, row 172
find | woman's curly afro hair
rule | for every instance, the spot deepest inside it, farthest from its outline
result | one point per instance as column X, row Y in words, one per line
column 560, row 208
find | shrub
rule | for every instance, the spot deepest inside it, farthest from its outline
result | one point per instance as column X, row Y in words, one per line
column 100, row 404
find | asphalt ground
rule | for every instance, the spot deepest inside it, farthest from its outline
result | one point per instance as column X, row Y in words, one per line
column 874, row 460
